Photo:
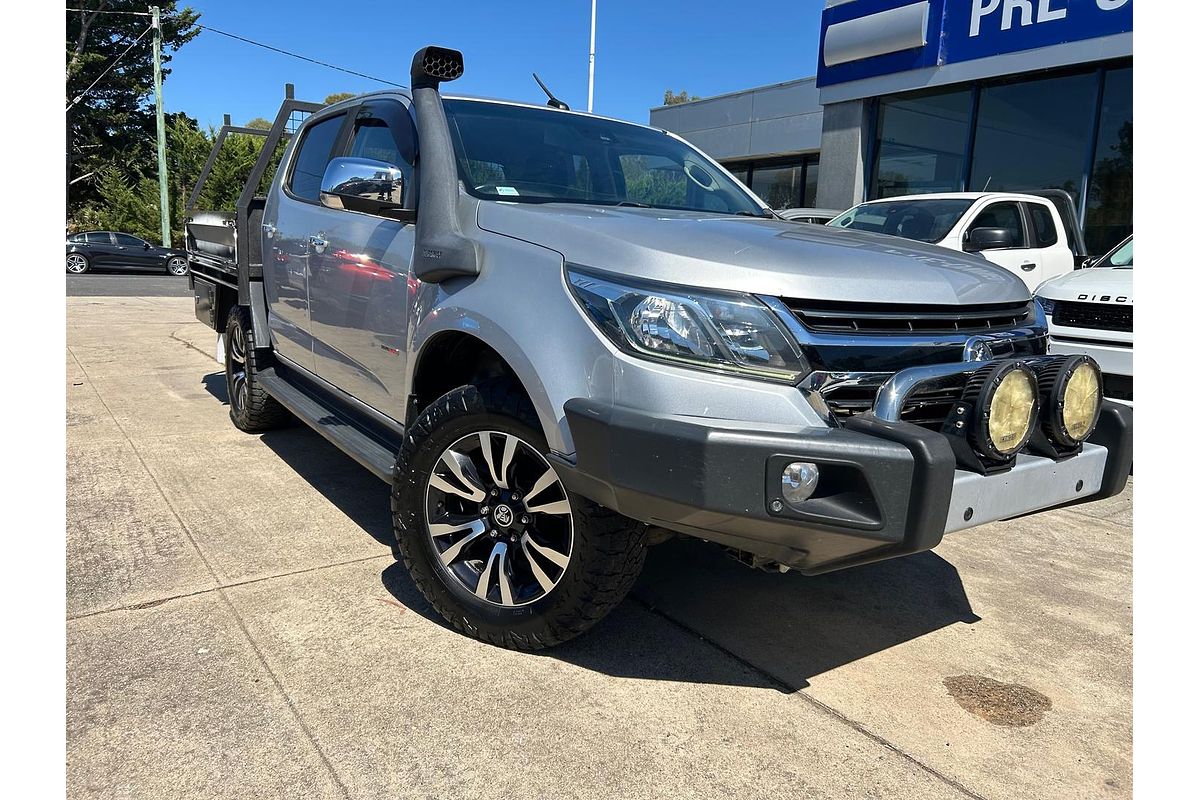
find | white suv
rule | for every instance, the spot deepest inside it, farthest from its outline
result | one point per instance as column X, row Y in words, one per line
column 1023, row 233
column 1091, row 312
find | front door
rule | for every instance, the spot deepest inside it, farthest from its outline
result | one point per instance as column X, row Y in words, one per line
column 135, row 253
column 359, row 285
column 1020, row 259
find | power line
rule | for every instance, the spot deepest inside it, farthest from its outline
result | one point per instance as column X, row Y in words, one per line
column 108, row 69
column 256, row 44
column 105, row 11
column 297, row 55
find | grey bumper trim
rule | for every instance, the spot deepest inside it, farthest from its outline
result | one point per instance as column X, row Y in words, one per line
column 1032, row 484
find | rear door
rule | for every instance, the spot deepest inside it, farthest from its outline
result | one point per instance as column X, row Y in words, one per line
column 359, row 286
column 1049, row 238
column 1020, row 259
column 101, row 249
column 293, row 215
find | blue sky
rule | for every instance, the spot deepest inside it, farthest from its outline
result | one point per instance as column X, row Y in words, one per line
column 642, row 48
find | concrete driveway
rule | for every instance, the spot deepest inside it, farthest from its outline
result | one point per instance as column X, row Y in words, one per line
column 237, row 628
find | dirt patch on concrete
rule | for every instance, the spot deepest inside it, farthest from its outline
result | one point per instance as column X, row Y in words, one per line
column 1008, row 704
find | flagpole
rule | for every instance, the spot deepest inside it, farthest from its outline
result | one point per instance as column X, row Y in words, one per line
column 592, row 60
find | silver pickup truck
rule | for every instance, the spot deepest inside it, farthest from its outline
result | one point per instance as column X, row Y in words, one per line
column 561, row 338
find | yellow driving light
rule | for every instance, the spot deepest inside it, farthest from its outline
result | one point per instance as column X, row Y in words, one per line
column 1010, row 414
column 1072, row 391
column 1081, row 402
column 1005, row 397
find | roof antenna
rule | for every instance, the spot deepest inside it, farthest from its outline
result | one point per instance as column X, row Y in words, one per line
column 553, row 102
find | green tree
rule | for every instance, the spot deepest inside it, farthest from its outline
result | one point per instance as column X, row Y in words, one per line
column 259, row 124
column 129, row 203
column 111, row 126
column 338, row 97
column 672, row 99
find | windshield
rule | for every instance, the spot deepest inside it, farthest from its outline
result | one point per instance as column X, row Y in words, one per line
column 1121, row 257
column 922, row 220
column 532, row 155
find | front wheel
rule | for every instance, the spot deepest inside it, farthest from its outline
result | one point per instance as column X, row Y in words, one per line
column 177, row 265
column 492, row 538
column 250, row 407
column 77, row 264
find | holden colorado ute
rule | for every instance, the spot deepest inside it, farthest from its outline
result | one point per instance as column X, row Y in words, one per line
column 561, row 338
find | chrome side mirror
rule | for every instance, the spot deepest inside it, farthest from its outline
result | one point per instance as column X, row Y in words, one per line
column 365, row 185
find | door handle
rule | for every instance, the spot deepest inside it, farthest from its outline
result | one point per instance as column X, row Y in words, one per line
column 318, row 243
column 1029, row 267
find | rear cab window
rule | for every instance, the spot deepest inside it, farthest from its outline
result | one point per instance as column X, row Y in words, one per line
column 1045, row 234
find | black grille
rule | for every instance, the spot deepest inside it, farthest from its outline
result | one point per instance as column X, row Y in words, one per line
column 1099, row 316
column 928, row 408
column 891, row 318
column 1118, row 387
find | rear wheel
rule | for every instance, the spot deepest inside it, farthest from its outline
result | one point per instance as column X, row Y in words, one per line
column 492, row 537
column 77, row 263
column 250, row 407
column 177, row 265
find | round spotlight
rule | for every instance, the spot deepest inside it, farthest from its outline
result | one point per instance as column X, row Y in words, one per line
column 799, row 481
column 1072, row 391
column 1006, row 404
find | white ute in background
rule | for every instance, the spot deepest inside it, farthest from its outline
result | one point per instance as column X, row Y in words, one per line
column 1024, row 233
column 1090, row 311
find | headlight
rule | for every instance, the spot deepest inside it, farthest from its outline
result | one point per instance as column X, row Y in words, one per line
column 1047, row 305
column 732, row 333
column 1005, row 398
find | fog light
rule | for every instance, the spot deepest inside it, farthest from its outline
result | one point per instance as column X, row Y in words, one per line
column 799, row 481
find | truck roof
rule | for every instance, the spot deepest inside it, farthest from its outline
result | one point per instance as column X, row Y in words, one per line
column 404, row 92
column 959, row 196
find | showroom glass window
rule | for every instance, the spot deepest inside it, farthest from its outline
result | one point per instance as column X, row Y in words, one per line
column 920, row 143
column 1034, row 134
column 1110, row 190
column 781, row 184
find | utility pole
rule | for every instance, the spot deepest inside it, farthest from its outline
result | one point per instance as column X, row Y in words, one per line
column 164, row 208
column 592, row 59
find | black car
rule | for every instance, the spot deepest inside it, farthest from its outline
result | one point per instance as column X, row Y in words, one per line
column 95, row 250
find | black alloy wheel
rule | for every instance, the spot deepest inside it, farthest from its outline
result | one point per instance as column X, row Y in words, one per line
column 499, row 518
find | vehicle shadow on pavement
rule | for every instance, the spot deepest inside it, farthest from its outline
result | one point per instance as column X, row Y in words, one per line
column 695, row 615
column 357, row 493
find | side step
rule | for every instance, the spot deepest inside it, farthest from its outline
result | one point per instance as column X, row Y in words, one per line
column 338, row 428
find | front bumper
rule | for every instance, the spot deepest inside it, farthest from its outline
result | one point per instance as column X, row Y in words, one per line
column 887, row 488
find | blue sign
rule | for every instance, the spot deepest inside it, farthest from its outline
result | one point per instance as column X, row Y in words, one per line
column 865, row 32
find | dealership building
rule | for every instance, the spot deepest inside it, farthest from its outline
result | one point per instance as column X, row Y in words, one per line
column 941, row 96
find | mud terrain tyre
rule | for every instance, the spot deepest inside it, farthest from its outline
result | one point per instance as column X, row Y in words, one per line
column 250, row 407
column 511, row 557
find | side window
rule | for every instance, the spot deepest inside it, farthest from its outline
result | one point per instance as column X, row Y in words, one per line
column 76, row 238
column 98, row 238
column 386, row 133
column 312, row 156
column 125, row 240
column 1044, row 232
column 1005, row 215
